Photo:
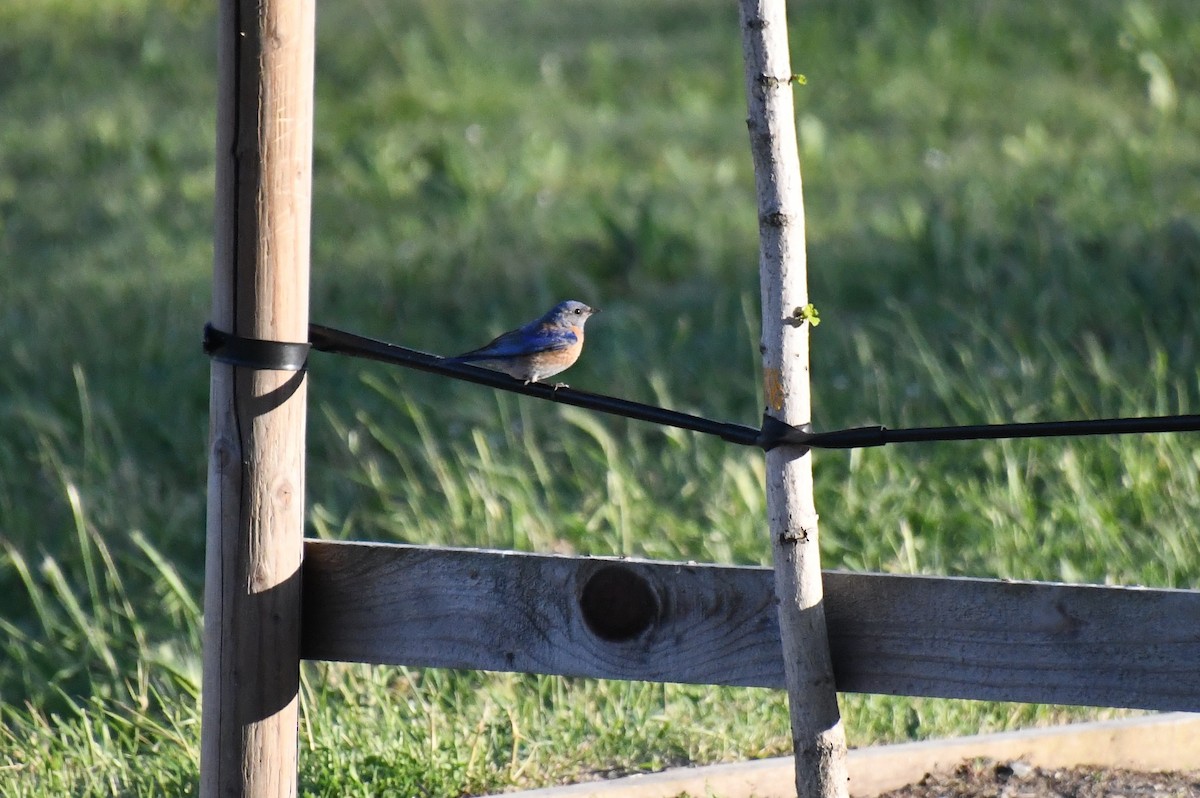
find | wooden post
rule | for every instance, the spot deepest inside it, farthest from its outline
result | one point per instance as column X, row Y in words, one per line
column 256, row 448
column 817, row 734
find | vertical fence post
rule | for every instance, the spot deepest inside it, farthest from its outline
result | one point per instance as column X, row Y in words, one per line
column 817, row 735
column 257, row 417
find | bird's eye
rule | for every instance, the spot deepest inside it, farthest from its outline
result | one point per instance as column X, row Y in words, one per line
column 578, row 311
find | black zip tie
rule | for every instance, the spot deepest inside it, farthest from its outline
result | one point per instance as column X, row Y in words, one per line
column 254, row 353
column 773, row 433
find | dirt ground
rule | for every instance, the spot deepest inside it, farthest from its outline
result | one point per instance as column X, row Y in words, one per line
column 988, row 779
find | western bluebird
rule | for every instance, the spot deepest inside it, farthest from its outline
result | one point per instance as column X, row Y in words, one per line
column 541, row 348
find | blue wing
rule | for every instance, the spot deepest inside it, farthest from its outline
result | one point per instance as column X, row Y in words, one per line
column 524, row 341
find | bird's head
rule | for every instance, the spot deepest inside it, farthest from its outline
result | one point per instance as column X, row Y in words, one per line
column 569, row 314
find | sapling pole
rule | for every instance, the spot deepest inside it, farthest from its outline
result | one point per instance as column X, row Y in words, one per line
column 257, row 422
column 818, row 737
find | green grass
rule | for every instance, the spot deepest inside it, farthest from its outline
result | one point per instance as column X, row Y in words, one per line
column 1004, row 224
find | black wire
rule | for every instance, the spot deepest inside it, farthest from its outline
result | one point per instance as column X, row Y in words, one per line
column 326, row 339
column 859, row 437
column 773, row 433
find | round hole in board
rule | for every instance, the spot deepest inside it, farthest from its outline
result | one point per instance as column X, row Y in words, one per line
column 618, row 603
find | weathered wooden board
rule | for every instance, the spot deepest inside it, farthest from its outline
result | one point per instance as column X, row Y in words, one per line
column 492, row 610
column 710, row 624
column 1015, row 641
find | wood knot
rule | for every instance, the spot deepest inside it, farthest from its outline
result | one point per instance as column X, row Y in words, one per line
column 779, row 219
column 792, row 536
column 773, row 82
column 799, row 531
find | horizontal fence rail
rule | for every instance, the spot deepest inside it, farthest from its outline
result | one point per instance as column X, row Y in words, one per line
column 711, row 624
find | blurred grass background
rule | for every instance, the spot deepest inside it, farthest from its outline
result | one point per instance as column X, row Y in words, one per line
column 1003, row 206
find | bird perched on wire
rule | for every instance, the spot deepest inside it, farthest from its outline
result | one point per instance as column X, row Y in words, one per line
column 539, row 349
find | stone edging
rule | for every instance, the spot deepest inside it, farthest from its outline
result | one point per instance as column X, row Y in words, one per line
column 1151, row 742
